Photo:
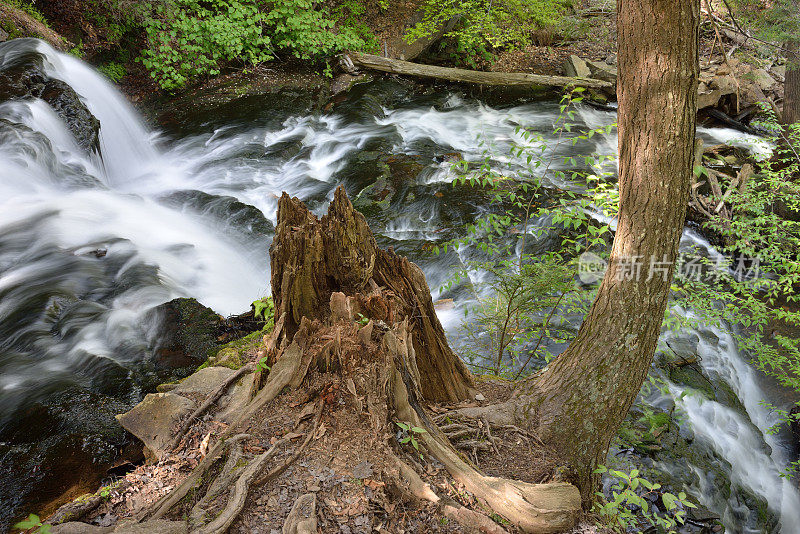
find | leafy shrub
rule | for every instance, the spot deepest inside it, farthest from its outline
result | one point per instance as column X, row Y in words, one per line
column 486, row 24
column 191, row 38
column 113, row 71
column 29, row 8
column 308, row 33
column 630, row 509
column 765, row 229
column 527, row 290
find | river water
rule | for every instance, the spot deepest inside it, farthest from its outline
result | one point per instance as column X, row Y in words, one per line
column 189, row 212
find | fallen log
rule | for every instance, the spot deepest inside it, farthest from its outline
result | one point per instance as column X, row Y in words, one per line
column 509, row 79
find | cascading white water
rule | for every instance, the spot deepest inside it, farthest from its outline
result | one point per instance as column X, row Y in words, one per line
column 169, row 226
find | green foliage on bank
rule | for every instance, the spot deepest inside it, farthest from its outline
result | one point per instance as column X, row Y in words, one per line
column 29, row 8
column 192, row 39
column 188, row 39
column 777, row 20
column 485, row 25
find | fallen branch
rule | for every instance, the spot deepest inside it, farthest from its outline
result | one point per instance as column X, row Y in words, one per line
column 509, row 79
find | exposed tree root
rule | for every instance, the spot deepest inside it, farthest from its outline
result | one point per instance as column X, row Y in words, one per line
column 367, row 375
column 302, row 518
column 542, row 508
column 209, row 402
column 163, row 505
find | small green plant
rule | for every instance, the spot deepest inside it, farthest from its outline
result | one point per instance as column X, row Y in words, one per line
column 77, row 50
column 410, row 434
column 630, row 493
column 264, row 310
column 33, row 521
column 362, row 320
column 261, row 365
column 113, row 71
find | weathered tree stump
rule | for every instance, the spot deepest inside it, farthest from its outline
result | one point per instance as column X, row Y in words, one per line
column 374, row 373
column 313, row 258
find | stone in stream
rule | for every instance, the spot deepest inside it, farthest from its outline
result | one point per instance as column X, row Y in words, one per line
column 24, row 77
column 188, row 333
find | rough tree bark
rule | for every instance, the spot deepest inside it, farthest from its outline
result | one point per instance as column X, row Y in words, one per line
column 791, row 86
column 577, row 403
column 581, row 399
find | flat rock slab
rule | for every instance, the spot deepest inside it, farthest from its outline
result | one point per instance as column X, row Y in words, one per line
column 203, row 382
column 576, row 67
column 154, row 419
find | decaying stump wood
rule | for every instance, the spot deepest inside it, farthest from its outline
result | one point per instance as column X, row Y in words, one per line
column 509, row 79
column 313, row 258
column 325, row 272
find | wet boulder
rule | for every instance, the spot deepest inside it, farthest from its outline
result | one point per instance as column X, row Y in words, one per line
column 188, row 333
column 68, row 105
column 23, row 76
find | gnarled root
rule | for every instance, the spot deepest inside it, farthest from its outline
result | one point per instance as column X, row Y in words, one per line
column 535, row 508
column 302, row 518
column 163, row 505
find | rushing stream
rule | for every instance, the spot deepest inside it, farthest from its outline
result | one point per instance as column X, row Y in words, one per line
column 190, row 213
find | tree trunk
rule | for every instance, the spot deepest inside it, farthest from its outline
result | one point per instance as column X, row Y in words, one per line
column 791, row 86
column 579, row 401
column 309, row 265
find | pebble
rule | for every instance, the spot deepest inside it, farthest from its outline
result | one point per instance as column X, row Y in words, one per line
column 479, row 397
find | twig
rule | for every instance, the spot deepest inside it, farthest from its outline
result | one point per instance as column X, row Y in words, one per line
column 541, row 337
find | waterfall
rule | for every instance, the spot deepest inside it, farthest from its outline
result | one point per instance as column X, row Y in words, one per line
column 91, row 243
